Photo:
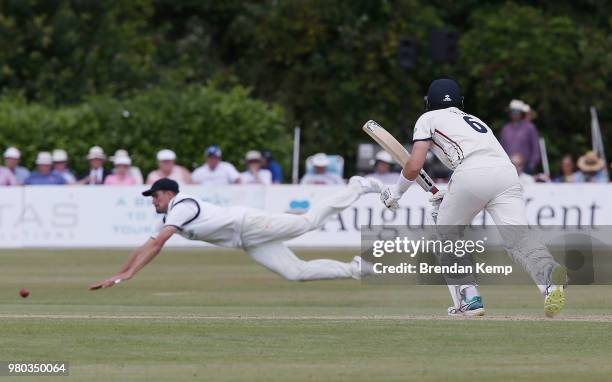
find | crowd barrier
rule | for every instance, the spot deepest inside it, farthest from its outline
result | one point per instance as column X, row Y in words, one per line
column 106, row 216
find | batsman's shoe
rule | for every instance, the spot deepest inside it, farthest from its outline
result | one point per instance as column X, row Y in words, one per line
column 554, row 301
column 471, row 308
column 361, row 268
column 366, row 185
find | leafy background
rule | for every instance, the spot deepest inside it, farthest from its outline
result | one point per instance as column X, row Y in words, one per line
column 242, row 74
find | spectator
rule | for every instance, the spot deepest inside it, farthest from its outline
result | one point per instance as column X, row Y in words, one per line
column 43, row 174
column 591, row 168
column 530, row 114
column 519, row 163
column 520, row 136
column 568, row 174
column 121, row 173
column 166, row 160
column 60, row 166
column 215, row 171
column 321, row 175
column 133, row 170
column 6, row 177
column 270, row 164
column 255, row 174
column 97, row 173
column 12, row 156
column 382, row 168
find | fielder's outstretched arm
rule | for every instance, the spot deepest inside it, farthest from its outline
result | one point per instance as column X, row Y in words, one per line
column 138, row 258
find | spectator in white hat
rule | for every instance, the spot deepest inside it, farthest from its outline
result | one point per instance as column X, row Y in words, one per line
column 215, row 171
column 12, row 156
column 97, row 173
column 382, row 168
column 321, row 176
column 519, row 136
column 43, row 174
column 121, row 173
column 166, row 160
column 60, row 166
column 254, row 174
column 133, row 170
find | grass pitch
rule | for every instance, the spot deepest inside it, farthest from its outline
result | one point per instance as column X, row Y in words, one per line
column 216, row 315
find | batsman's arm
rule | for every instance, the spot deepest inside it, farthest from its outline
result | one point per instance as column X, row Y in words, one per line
column 415, row 163
column 138, row 258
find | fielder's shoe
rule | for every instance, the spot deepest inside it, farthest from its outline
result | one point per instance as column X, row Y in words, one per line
column 474, row 307
column 554, row 300
column 366, row 185
column 361, row 268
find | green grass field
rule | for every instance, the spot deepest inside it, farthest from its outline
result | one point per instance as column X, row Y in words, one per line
column 216, row 315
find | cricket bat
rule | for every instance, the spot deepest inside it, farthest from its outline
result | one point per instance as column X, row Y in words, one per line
column 398, row 152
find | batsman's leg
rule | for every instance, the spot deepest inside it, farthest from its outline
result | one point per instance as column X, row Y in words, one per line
column 508, row 212
column 458, row 208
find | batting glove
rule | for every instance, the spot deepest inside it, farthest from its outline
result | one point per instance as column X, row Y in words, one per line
column 391, row 195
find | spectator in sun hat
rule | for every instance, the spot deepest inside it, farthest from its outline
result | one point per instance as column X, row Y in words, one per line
column 321, row 176
column 166, row 160
column 97, row 173
column 60, row 166
column 519, row 136
column 43, row 174
column 254, row 173
column 382, row 168
column 12, row 156
column 269, row 163
column 215, row 171
column 121, row 173
column 591, row 168
column 133, row 170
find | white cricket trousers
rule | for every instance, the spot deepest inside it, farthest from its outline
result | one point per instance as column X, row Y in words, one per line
column 264, row 233
column 498, row 191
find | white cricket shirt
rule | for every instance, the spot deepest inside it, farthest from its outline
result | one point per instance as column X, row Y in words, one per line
column 265, row 177
column 460, row 140
column 198, row 220
column 224, row 173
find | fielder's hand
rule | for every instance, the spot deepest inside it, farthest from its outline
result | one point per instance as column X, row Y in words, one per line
column 110, row 282
column 390, row 197
column 435, row 201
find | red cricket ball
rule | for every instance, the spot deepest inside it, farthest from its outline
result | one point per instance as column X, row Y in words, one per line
column 24, row 292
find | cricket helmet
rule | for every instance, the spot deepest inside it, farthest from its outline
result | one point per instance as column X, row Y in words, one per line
column 443, row 93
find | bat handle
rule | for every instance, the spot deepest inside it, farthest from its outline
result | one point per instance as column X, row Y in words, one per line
column 434, row 190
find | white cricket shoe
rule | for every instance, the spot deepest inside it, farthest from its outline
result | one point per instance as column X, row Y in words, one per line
column 361, row 268
column 472, row 308
column 366, row 185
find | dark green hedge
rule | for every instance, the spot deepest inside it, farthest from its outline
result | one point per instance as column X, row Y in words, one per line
column 185, row 120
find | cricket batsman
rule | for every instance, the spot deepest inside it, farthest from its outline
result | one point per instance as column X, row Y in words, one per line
column 261, row 234
column 483, row 179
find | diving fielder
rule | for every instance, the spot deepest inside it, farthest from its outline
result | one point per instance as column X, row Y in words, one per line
column 483, row 179
column 259, row 233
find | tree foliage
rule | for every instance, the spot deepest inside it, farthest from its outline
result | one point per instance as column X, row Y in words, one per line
column 186, row 120
column 330, row 64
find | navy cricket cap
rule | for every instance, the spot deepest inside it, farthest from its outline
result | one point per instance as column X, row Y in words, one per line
column 443, row 93
column 163, row 184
